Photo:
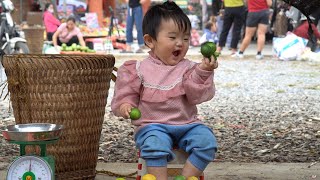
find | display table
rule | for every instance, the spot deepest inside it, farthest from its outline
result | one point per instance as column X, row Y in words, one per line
column 98, row 42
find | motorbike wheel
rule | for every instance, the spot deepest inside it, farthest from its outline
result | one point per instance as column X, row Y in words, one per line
column 21, row 48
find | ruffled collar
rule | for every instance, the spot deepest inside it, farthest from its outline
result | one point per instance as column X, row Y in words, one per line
column 152, row 57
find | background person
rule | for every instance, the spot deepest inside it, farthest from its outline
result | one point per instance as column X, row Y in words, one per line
column 51, row 23
column 134, row 17
column 68, row 33
column 302, row 29
column 234, row 13
column 210, row 33
column 257, row 20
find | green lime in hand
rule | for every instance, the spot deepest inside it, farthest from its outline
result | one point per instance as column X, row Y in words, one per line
column 135, row 114
column 208, row 49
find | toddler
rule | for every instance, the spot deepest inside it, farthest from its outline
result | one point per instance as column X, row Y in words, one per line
column 166, row 87
column 210, row 33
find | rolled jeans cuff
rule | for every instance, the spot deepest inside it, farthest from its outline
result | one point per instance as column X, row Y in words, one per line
column 156, row 162
column 198, row 163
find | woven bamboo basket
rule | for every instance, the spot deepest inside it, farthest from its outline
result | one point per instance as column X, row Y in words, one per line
column 35, row 38
column 63, row 89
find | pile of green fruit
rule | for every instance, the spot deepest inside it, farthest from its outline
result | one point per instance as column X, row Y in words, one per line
column 76, row 47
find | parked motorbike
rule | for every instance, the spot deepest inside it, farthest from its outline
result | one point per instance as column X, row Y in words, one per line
column 12, row 38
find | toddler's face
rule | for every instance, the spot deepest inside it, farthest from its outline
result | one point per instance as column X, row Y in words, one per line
column 172, row 44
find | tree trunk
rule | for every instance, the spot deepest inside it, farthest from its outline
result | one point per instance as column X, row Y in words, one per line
column 96, row 6
column 107, row 4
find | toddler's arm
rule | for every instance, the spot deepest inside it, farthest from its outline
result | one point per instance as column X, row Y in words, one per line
column 198, row 85
column 127, row 88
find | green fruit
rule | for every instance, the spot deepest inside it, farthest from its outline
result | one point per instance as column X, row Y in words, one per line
column 179, row 177
column 63, row 45
column 135, row 114
column 84, row 49
column 208, row 49
column 120, row 179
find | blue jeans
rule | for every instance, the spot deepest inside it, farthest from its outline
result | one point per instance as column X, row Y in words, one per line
column 134, row 16
column 155, row 142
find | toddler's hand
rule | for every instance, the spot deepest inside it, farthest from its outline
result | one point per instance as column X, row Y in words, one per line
column 125, row 110
column 209, row 65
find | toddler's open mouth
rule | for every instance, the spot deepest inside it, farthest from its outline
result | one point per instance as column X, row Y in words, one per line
column 176, row 53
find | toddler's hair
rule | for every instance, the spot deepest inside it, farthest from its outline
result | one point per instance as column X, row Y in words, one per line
column 166, row 11
column 213, row 19
column 208, row 25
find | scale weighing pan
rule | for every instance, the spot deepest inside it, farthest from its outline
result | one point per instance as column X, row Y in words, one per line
column 32, row 132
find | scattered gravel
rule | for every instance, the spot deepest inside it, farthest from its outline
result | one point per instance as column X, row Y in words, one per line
column 263, row 111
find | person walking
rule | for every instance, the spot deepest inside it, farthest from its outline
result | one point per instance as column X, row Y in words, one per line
column 234, row 13
column 216, row 6
column 257, row 20
column 134, row 16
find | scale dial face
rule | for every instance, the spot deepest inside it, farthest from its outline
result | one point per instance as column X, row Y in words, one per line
column 29, row 168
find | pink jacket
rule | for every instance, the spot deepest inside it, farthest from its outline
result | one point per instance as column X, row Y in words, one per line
column 50, row 22
column 164, row 94
column 65, row 35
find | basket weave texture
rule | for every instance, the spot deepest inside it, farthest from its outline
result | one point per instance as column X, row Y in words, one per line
column 71, row 90
column 35, row 38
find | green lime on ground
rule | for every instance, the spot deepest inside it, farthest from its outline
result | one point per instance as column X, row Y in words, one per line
column 135, row 114
column 179, row 177
column 208, row 49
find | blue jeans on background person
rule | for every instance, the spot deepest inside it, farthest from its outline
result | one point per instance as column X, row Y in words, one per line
column 134, row 16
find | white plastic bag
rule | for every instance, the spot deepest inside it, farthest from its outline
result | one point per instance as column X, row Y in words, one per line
column 52, row 50
column 289, row 47
column 203, row 38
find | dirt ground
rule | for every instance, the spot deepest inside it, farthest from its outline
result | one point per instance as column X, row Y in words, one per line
column 217, row 170
column 238, row 171
column 227, row 171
